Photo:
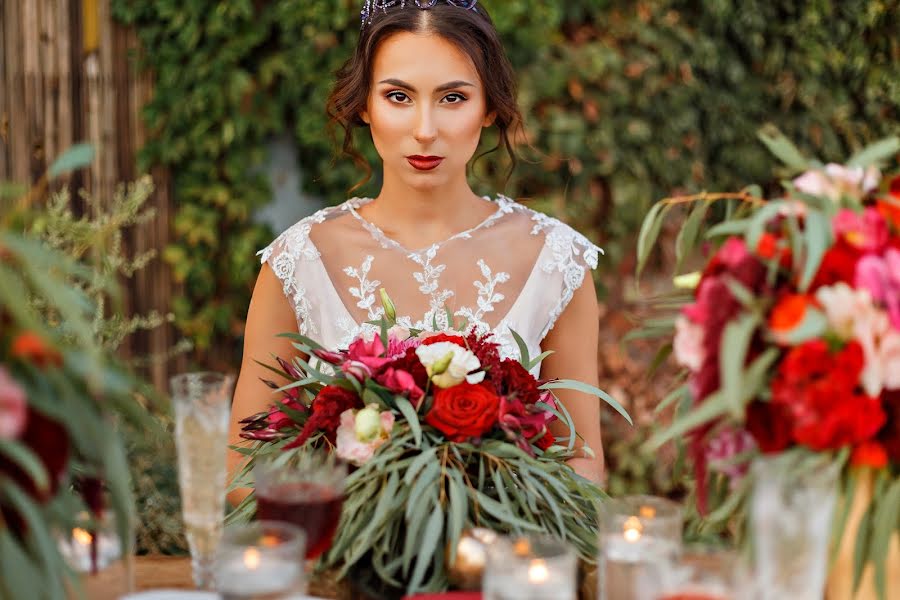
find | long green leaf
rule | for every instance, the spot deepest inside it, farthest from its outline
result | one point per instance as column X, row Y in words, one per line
column 570, row 384
column 733, row 349
column 782, row 148
column 27, row 460
column 433, row 530
column 713, row 406
column 875, row 153
column 76, row 157
column 817, row 239
column 523, row 348
column 649, row 232
column 409, row 413
column 885, row 524
column 687, row 236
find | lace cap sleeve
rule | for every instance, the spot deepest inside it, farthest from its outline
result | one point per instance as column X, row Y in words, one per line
column 284, row 256
column 567, row 257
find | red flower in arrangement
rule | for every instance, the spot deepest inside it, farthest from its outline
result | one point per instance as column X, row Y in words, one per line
column 402, row 382
column 869, row 454
column 817, row 388
column 444, row 337
column 770, row 425
column 545, row 441
column 866, row 231
column 889, row 207
column 411, row 364
column 838, row 264
column 487, row 353
column 771, row 246
column 787, row 314
column 463, row 411
column 889, row 436
column 32, row 348
column 326, row 412
column 522, row 421
column 513, row 381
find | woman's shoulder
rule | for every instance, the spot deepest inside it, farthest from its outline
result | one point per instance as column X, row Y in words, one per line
column 562, row 238
column 295, row 240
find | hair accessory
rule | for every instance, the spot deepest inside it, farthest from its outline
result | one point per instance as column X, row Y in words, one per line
column 370, row 6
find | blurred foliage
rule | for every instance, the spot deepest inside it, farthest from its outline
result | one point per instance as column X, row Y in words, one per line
column 625, row 102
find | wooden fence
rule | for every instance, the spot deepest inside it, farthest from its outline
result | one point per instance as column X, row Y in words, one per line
column 67, row 74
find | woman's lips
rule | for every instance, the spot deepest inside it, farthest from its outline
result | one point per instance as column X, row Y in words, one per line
column 424, row 163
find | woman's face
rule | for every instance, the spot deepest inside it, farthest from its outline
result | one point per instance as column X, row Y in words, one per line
column 426, row 109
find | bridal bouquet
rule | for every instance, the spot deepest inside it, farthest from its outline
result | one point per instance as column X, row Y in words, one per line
column 444, row 435
column 790, row 336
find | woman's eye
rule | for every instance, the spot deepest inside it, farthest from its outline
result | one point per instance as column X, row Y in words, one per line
column 398, row 97
column 454, row 98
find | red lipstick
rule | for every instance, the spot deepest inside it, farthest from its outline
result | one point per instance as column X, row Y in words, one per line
column 424, row 163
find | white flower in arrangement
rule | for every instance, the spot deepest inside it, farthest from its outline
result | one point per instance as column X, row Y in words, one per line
column 837, row 180
column 688, row 344
column 361, row 432
column 449, row 364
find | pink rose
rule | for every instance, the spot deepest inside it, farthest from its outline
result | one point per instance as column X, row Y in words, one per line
column 866, row 231
column 881, row 276
column 13, row 407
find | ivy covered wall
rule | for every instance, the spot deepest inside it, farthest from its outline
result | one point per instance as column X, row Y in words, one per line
column 625, row 102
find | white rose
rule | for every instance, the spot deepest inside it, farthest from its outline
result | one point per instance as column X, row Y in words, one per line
column 447, row 363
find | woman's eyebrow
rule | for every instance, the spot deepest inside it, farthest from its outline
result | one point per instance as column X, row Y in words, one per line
column 441, row 88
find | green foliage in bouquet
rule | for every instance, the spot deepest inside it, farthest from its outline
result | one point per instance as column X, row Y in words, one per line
column 624, row 101
column 63, row 398
column 789, row 335
column 426, row 477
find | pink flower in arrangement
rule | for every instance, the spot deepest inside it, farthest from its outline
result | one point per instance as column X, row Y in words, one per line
column 368, row 353
column 361, row 432
column 866, row 231
column 688, row 344
column 835, row 181
column 13, row 407
column 724, row 449
column 399, row 381
column 880, row 275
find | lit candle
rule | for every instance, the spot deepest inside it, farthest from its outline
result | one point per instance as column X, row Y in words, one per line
column 530, row 569
column 90, row 551
column 260, row 560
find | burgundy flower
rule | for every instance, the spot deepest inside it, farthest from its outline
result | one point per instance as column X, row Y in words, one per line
column 515, row 382
column 325, row 414
column 889, row 436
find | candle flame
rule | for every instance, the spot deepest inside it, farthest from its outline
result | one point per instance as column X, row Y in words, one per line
column 648, row 512
column 537, row 572
column 82, row 536
column 251, row 558
column 632, row 528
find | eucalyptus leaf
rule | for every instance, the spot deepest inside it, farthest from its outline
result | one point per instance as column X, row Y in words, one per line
column 75, row 157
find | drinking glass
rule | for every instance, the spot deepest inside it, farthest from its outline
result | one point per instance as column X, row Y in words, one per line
column 307, row 492
column 699, row 574
column 202, row 404
column 638, row 534
column 262, row 560
column 530, row 568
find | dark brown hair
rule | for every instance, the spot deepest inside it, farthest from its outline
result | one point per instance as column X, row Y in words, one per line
column 472, row 31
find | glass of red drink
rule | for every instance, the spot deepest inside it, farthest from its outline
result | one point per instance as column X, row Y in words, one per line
column 308, row 493
column 701, row 573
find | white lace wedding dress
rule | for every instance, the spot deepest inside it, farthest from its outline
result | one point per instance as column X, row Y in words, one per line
column 516, row 270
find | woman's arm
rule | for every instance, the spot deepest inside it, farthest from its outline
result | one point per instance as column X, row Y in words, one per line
column 270, row 313
column 574, row 340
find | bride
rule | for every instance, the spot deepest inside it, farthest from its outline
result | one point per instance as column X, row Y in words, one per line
column 426, row 78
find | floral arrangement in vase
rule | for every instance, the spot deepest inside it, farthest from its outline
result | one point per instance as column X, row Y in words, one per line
column 443, row 435
column 63, row 467
column 789, row 336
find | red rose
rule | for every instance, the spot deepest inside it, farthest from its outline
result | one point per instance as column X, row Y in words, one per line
column 770, row 426
column 444, row 337
column 463, row 411
column 326, row 412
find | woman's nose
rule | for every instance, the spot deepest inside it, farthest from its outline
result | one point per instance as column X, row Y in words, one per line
column 426, row 131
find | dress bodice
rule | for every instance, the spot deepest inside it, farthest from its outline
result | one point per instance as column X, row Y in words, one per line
column 515, row 271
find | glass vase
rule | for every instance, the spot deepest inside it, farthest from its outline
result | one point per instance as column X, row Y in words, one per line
column 791, row 513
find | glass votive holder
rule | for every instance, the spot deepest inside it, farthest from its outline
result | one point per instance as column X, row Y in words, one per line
column 530, row 568
column 638, row 535
column 700, row 573
column 262, row 559
column 94, row 550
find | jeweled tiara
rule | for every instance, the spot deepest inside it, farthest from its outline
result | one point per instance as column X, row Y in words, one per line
column 370, row 6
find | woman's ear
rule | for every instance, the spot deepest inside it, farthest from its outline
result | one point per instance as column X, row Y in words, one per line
column 364, row 115
column 490, row 118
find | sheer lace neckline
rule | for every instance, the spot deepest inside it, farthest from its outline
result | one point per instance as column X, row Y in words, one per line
column 388, row 242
